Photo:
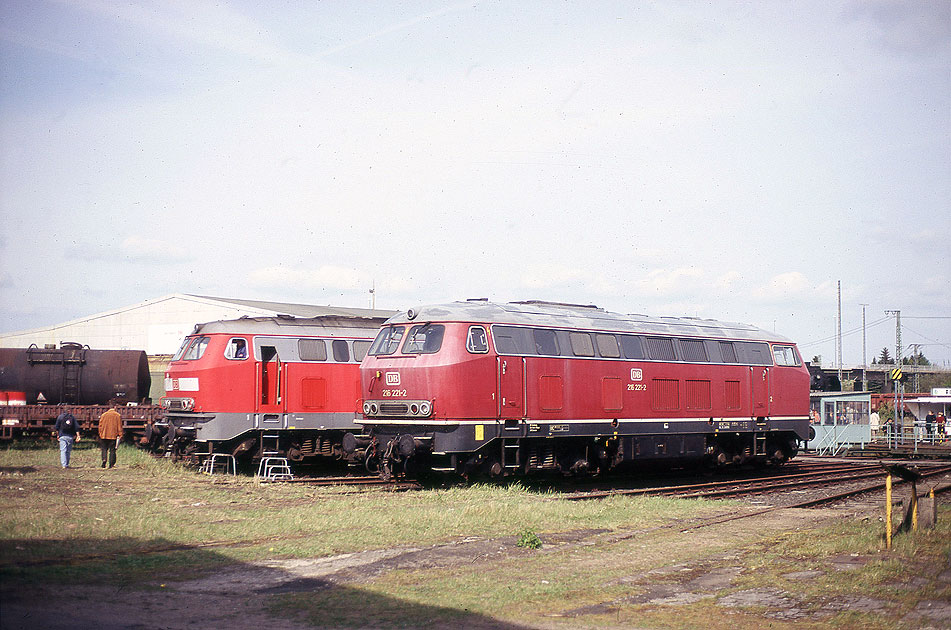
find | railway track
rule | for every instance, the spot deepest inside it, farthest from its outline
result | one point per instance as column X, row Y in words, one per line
column 809, row 479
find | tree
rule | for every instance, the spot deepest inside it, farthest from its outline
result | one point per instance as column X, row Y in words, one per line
column 916, row 359
column 884, row 357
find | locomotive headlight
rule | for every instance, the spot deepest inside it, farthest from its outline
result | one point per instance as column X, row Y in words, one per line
column 414, row 409
column 374, row 408
column 425, row 408
column 366, row 409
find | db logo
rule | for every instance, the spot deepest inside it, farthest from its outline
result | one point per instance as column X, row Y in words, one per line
column 636, row 374
column 392, row 378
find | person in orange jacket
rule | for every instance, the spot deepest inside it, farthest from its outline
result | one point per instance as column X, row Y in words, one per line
column 110, row 432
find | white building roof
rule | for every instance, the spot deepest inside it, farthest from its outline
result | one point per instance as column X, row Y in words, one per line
column 159, row 325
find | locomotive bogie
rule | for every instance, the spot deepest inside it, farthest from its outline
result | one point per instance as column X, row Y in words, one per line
column 526, row 386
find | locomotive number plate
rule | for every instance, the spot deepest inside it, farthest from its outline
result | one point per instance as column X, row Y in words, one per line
column 394, row 393
column 637, row 387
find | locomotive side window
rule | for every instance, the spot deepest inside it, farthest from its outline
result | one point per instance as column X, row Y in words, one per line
column 512, row 340
column 360, row 350
column 546, row 343
column 693, row 350
column 341, row 351
column 195, row 350
column 581, row 345
column 237, row 349
column 727, row 352
column 424, row 339
column 785, row 355
column 312, row 349
column 753, row 353
column 607, row 346
column 387, row 341
column 476, row 341
column 661, row 348
column 633, row 349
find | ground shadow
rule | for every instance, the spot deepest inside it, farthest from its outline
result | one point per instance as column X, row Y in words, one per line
column 49, row 584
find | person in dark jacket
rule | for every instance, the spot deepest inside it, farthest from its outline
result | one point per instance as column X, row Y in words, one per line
column 67, row 429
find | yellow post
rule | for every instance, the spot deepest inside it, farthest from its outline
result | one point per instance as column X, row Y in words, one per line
column 914, row 507
column 888, row 512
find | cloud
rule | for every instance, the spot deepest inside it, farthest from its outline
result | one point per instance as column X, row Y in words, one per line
column 323, row 277
column 783, row 286
column 140, row 249
column 669, row 281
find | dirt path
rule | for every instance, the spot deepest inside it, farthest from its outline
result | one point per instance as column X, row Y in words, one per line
column 238, row 597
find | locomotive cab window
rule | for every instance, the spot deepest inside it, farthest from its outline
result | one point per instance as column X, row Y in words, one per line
column 312, row 349
column 196, row 349
column 237, row 349
column 181, row 350
column 785, row 355
column 476, row 341
column 424, row 339
column 387, row 341
column 341, row 351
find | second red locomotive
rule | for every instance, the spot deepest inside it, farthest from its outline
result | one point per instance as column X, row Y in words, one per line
column 517, row 387
column 279, row 386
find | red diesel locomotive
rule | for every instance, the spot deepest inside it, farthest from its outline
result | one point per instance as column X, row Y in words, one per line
column 512, row 388
column 281, row 385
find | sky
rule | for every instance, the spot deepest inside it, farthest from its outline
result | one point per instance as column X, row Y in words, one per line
column 730, row 160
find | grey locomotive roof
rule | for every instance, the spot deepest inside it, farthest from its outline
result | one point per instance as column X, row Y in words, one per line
column 326, row 325
column 303, row 310
column 537, row 313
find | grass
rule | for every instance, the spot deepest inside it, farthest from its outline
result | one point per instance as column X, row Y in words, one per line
column 150, row 522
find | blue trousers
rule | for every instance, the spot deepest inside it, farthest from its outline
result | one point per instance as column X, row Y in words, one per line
column 65, row 449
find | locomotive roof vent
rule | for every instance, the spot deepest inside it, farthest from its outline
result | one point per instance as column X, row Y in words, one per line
column 477, row 300
column 561, row 304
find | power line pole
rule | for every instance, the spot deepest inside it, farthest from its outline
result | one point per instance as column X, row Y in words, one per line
column 916, row 382
column 838, row 331
column 864, row 358
column 899, row 408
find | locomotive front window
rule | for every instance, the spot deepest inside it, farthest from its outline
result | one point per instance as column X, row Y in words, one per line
column 196, row 350
column 360, row 350
column 581, row 345
column 424, row 339
column 181, row 351
column 387, row 341
column 785, row 355
column 237, row 349
column 476, row 341
column 312, row 349
column 341, row 351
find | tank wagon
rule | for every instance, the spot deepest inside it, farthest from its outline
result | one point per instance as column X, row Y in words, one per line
column 37, row 384
column 280, row 386
column 480, row 387
column 75, row 374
